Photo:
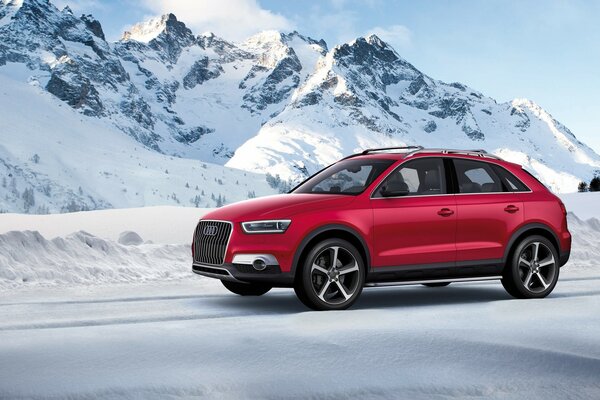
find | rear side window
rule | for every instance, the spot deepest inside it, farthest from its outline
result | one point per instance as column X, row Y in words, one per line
column 511, row 182
column 477, row 177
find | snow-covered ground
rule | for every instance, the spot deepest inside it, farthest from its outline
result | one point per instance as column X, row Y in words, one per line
column 178, row 341
column 95, row 318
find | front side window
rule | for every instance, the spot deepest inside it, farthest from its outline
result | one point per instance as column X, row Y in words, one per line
column 421, row 177
column 350, row 177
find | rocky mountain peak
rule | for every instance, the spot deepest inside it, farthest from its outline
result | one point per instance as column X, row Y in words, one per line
column 165, row 34
column 366, row 51
column 93, row 25
column 166, row 25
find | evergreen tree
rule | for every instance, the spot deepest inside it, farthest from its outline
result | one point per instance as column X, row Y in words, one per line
column 13, row 186
column 595, row 184
column 583, row 187
column 28, row 199
column 46, row 190
column 196, row 201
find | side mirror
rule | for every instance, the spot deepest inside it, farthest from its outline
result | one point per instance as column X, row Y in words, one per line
column 393, row 192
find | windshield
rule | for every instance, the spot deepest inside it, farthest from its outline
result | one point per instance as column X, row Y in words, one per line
column 351, row 177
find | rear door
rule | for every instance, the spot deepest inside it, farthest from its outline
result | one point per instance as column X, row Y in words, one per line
column 418, row 227
column 488, row 210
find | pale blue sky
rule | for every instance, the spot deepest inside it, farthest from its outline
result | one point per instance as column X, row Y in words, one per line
column 547, row 51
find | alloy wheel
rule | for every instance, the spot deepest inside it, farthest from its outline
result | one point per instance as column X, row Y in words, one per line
column 335, row 275
column 537, row 267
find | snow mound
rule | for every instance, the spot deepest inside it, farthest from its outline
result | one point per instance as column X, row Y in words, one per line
column 27, row 258
column 585, row 250
column 130, row 238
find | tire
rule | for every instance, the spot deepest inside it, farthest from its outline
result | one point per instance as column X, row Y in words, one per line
column 322, row 284
column 532, row 271
column 246, row 289
column 436, row 284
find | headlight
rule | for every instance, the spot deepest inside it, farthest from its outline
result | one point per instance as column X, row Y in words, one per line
column 271, row 226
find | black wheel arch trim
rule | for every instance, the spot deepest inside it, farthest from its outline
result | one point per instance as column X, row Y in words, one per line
column 525, row 228
column 323, row 229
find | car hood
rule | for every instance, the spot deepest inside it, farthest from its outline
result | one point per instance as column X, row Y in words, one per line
column 278, row 206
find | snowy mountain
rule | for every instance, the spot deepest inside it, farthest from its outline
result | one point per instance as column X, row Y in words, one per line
column 101, row 123
column 363, row 94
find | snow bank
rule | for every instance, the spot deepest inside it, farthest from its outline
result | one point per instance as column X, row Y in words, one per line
column 108, row 245
column 164, row 224
column 129, row 238
column 585, row 250
column 27, row 258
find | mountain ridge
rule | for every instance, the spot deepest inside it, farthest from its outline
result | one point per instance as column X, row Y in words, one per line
column 278, row 103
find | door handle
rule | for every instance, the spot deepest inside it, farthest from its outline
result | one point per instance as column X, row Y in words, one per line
column 511, row 209
column 445, row 212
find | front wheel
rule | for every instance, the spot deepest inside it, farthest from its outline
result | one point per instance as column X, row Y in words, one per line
column 246, row 289
column 332, row 276
column 533, row 270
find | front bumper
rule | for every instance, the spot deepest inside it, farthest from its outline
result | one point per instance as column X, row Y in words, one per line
column 245, row 273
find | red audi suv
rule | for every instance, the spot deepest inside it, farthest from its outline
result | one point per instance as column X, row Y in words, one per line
column 391, row 216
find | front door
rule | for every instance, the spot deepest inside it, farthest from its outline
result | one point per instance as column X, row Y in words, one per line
column 414, row 216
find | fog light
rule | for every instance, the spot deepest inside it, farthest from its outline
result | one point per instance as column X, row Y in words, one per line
column 259, row 264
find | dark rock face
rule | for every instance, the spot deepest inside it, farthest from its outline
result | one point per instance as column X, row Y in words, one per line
column 451, row 107
column 201, row 71
column 136, row 108
column 93, row 25
column 474, row 134
column 78, row 92
column 271, row 91
column 194, row 134
column 523, row 122
column 430, row 126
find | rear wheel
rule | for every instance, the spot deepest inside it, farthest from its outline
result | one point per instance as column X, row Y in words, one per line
column 436, row 284
column 533, row 270
column 331, row 277
column 246, row 289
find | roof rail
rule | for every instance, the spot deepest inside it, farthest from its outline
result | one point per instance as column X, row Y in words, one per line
column 367, row 151
column 477, row 152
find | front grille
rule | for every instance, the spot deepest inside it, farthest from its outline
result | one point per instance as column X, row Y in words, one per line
column 210, row 241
